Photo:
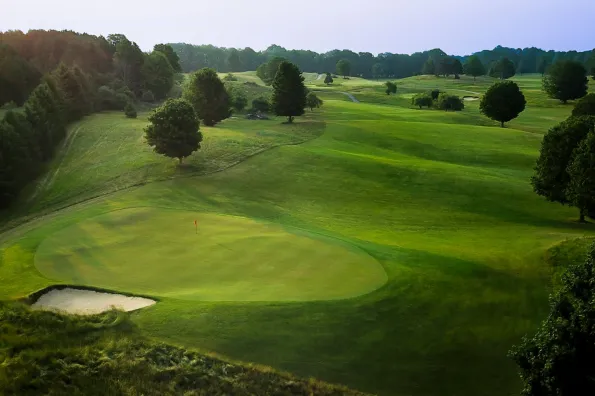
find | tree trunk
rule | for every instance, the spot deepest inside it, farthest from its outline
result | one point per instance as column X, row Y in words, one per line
column 501, row 124
column 180, row 159
column 290, row 119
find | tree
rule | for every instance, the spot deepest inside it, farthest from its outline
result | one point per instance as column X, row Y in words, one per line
column 233, row 61
column 422, row 100
column 474, row 67
column 502, row 102
column 542, row 67
column 174, row 129
column 17, row 77
column 581, row 189
column 75, row 102
column 343, row 68
column 391, row 87
column 449, row 102
column 238, row 97
column 130, row 110
column 503, row 69
column 313, row 101
column 585, row 106
column 267, row 71
column 14, row 162
column 435, row 93
column 457, row 68
column 158, row 74
column 566, row 80
column 558, row 359
column 377, row 70
column 208, row 96
column 429, row 67
column 128, row 61
column 551, row 178
column 261, row 104
column 328, row 80
column 289, row 92
column 148, row 96
column 170, row 54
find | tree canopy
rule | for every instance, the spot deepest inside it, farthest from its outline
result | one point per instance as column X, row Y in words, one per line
column 158, row 74
column 207, row 94
column 503, row 69
column 391, row 87
column 313, row 101
column 585, row 106
column 328, row 79
column 174, row 129
column 474, row 67
column 429, row 67
column 503, row 101
column 289, row 92
column 566, row 80
column 170, row 54
column 581, row 189
column 267, row 71
column 449, row 102
column 343, row 68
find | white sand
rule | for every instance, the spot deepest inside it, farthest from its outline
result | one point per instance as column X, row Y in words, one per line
column 469, row 98
column 87, row 302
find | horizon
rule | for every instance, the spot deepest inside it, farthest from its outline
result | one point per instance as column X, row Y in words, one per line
column 216, row 25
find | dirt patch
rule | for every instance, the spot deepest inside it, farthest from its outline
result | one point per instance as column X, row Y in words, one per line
column 88, row 302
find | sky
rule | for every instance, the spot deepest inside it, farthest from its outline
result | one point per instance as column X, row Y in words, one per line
column 399, row 26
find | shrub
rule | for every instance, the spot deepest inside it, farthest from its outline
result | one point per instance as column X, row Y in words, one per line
column 148, row 96
column 130, row 110
column 422, row 100
column 261, row 104
column 449, row 102
column 230, row 77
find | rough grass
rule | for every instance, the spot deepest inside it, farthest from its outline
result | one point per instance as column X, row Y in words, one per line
column 442, row 200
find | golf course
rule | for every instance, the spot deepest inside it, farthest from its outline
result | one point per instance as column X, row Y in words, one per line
column 391, row 249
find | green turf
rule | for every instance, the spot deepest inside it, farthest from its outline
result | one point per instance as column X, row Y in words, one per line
column 441, row 200
column 224, row 258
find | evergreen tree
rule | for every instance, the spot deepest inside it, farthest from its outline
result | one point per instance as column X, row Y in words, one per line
column 289, row 92
column 170, row 54
column 207, row 94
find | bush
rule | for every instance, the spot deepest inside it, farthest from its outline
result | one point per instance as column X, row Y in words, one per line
column 230, row 77
column 130, row 110
column 422, row 100
column 148, row 96
column 261, row 104
column 585, row 106
column 175, row 92
column 449, row 102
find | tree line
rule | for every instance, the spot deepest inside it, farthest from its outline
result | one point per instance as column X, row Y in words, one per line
column 367, row 65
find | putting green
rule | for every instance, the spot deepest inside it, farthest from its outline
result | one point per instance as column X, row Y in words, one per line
column 157, row 251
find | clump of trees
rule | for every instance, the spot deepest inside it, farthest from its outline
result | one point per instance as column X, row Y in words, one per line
column 566, row 80
column 289, row 92
column 448, row 102
column 174, row 129
column 391, row 87
column 585, row 106
column 503, row 69
column 207, row 94
column 313, row 101
column 558, row 359
column 343, row 68
column 422, row 100
column 559, row 175
column 503, row 102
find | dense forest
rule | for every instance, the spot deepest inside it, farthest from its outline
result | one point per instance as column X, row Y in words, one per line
column 365, row 64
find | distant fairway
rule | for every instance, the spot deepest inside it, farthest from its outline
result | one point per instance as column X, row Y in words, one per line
column 230, row 258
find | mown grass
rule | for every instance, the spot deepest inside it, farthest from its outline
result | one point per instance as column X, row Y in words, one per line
column 441, row 200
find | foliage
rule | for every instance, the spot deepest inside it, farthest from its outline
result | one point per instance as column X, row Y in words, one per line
column 391, row 87
column 108, row 99
column 208, row 96
column 377, row 70
column 474, row 67
column 435, row 93
column 551, row 178
column 174, row 129
column 313, row 101
column 147, row 96
column 581, row 189
column 566, row 80
column 422, row 100
column 503, row 102
column 267, row 71
column 429, row 67
column 543, row 66
column 17, row 76
column 128, row 61
column 170, row 54
column 289, row 92
column 230, row 77
column 238, row 97
column 233, row 61
column 343, row 68
column 328, row 79
column 503, row 69
column 585, row 106
column 557, row 360
column 130, row 110
column 261, row 104
column 449, row 102
column 448, row 65
column 158, row 74
column 74, row 92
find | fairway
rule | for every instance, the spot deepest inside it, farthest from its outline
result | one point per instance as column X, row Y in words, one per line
column 227, row 258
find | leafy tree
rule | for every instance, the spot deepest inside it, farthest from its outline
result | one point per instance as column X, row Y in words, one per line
column 435, row 93
column 551, row 178
column 14, row 162
column 391, row 87
column 130, row 110
column 343, row 68
column 503, row 102
column 148, row 96
column 328, row 79
column 429, row 67
column 581, row 189
column 128, row 61
column 208, row 96
column 457, row 68
column 543, row 65
column 566, row 80
column 75, row 100
column 503, row 69
column 474, row 67
column 170, row 54
column 377, row 70
column 449, row 102
column 558, row 359
column 313, row 101
column 233, row 61
column 17, row 77
column 174, row 129
column 422, row 100
column 107, row 99
column 261, row 104
column 585, row 106
column 267, row 71
column 289, row 92
column 238, row 98
column 158, row 74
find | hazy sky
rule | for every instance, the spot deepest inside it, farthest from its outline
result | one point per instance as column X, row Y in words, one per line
column 400, row 26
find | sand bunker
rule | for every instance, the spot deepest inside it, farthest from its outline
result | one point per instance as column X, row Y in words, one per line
column 87, row 302
column 470, row 98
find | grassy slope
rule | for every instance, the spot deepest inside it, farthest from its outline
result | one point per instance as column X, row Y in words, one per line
column 442, row 203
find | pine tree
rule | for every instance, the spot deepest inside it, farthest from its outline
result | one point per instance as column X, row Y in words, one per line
column 289, row 92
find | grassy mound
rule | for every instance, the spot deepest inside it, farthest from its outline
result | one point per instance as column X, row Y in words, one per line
column 155, row 251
